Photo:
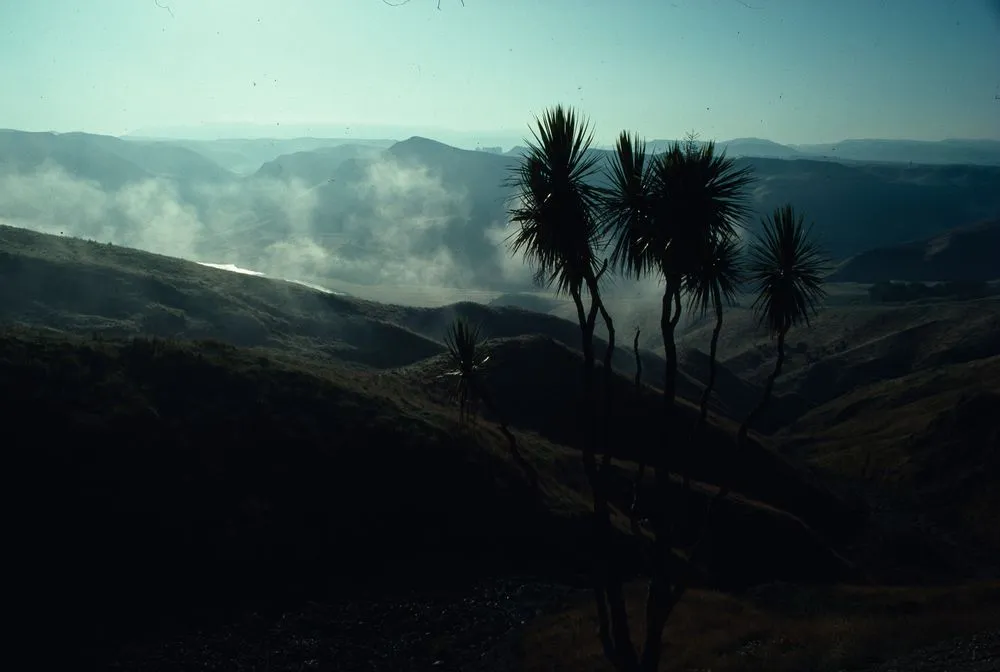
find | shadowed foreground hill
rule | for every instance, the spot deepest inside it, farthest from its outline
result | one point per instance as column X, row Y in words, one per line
column 546, row 403
column 154, row 476
column 929, row 445
column 506, row 322
column 158, row 478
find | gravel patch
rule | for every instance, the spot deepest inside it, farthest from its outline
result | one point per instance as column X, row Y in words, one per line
column 442, row 631
column 978, row 653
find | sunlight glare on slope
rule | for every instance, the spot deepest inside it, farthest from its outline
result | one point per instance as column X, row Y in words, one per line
column 233, row 268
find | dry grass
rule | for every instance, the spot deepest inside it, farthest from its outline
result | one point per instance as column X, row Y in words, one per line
column 776, row 628
column 858, row 344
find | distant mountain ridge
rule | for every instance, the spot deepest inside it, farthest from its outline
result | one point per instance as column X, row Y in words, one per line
column 976, row 152
column 419, row 209
column 948, row 151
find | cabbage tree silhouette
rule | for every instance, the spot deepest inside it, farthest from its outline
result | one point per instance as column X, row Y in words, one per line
column 468, row 353
column 556, row 209
column 665, row 214
column 469, row 356
column 786, row 269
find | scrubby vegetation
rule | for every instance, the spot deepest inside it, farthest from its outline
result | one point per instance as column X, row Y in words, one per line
column 674, row 215
column 892, row 292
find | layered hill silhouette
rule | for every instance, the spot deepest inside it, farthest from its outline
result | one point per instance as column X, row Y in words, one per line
column 963, row 254
column 83, row 286
column 985, row 152
column 112, row 292
column 344, row 209
column 897, row 403
column 315, row 166
column 107, row 160
column 849, row 346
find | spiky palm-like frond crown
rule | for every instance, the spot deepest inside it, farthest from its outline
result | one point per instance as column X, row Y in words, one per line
column 466, row 347
column 786, row 270
column 661, row 211
column 717, row 276
column 699, row 195
column 555, row 201
column 626, row 206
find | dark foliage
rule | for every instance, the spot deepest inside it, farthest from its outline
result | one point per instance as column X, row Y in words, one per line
column 157, row 479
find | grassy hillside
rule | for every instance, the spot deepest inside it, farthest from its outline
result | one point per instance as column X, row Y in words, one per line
column 852, row 345
column 317, row 453
column 546, row 404
column 925, row 447
column 967, row 254
column 77, row 285
column 171, row 477
column 159, row 474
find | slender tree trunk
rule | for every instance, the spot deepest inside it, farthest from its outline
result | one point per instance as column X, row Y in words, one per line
column 659, row 600
column 480, row 390
column 614, row 579
column 741, row 439
column 688, row 518
column 640, row 473
column 669, row 316
column 713, row 350
column 587, row 447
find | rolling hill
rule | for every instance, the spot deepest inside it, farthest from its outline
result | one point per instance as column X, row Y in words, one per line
column 244, row 156
column 964, row 254
column 982, row 152
column 65, row 283
column 314, row 167
column 110, row 292
column 929, row 444
column 321, row 433
column 848, row 346
column 106, row 160
column 417, row 212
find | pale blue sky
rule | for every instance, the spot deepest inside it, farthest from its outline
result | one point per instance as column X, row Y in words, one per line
column 794, row 71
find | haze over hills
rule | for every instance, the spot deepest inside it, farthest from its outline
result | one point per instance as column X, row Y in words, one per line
column 983, row 152
column 419, row 216
column 952, row 151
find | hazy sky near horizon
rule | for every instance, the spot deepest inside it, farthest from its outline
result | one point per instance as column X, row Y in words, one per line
column 794, row 71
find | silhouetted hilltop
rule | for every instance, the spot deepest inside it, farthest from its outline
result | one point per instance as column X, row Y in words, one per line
column 316, row 166
column 964, row 254
column 107, row 160
column 981, row 152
